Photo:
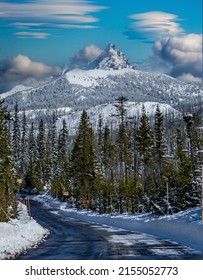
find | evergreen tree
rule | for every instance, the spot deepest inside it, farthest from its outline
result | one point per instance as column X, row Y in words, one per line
column 63, row 145
column 41, row 151
column 16, row 140
column 54, row 148
column 184, row 192
column 32, row 178
column 144, row 139
column 161, row 161
column 108, row 161
column 193, row 123
column 83, row 160
column 24, row 146
column 48, row 169
column 8, row 189
column 160, row 145
column 63, row 158
column 121, row 108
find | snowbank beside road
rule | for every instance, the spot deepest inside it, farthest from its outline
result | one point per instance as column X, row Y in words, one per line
column 20, row 234
column 185, row 227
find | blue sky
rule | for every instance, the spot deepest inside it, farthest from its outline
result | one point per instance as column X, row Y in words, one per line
column 53, row 31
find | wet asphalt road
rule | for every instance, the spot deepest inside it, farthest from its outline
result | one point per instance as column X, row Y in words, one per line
column 75, row 240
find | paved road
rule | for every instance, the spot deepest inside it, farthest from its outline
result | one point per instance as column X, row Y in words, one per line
column 75, row 240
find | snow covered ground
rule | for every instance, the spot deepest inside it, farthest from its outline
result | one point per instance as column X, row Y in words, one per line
column 20, row 234
column 185, row 227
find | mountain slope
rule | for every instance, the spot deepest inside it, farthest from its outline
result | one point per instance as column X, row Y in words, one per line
column 81, row 90
column 112, row 77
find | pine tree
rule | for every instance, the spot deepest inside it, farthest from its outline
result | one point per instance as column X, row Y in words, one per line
column 32, row 178
column 41, row 151
column 24, row 146
column 8, row 183
column 184, row 192
column 193, row 122
column 160, row 145
column 83, row 160
column 144, row 139
column 48, row 172
column 121, row 108
column 63, row 158
column 63, row 145
column 161, row 161
column 54, row 148
column 108, row 162
column 16, row 140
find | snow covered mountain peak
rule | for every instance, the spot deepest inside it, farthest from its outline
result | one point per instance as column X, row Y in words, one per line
column 111, row 59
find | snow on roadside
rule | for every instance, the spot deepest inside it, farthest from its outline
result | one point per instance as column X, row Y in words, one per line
column 20, row 234
column 184, row 227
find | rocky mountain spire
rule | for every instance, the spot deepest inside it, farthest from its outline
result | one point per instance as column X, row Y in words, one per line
column 111, row 59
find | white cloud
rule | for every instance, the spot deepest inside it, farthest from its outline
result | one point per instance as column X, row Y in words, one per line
column 41, row 26
column 58, row 11
column 35, row 35
column 189, row 78
column 20, row 69
column 85, row 56
column 183, row 54
column 22, row 65
column 151, row 26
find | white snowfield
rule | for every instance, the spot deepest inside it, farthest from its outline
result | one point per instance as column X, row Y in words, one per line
column 184, row 227
column 18, row 235
column 91, row 78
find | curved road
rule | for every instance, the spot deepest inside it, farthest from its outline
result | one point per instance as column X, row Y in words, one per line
column 75, row 240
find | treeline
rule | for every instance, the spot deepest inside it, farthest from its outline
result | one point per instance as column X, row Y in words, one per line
column 143, row 165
